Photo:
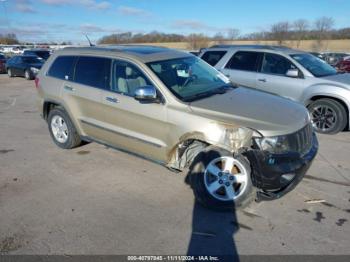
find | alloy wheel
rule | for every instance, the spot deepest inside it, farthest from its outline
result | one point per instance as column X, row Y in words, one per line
column 323, row 118
column 59, row 129
column 225, row 178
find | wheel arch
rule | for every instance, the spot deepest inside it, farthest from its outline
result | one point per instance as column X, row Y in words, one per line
column 339, row 100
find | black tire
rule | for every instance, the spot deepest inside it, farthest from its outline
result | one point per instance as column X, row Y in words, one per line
column 73, row 139
column 196, row 177
column 339, row 112
column 9, row 72
column 28, row 75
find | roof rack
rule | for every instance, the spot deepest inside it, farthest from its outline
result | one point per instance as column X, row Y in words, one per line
column 272, row 47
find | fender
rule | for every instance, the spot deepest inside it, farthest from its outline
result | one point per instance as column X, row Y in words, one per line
column 66, row 108
column 327, row 90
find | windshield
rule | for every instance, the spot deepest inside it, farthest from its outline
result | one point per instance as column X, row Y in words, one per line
column 189, row 78
column 314, row 65
column 32, row 60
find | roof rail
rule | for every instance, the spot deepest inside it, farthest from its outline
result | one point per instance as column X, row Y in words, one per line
column 272, row 47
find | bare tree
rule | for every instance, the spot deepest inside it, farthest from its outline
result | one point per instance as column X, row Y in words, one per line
column 300, row 26
column 232, row 33
column 219, row 38
column 280, row 31
column 197, row 41
column 323, row 27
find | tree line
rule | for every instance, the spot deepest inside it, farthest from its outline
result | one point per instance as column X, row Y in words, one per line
column 301, row 29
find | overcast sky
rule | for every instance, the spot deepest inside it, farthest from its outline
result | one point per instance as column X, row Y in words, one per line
column 64, row 20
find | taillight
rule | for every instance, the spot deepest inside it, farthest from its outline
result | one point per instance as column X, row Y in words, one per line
column 36, row 82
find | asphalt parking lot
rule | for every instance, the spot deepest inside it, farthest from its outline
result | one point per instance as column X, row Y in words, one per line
column 96, row 200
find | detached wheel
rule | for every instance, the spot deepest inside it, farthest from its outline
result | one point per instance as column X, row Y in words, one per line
column 328, row 116
column 62, row 130
column 28, row 75
column 221, row 181
column 9, row 72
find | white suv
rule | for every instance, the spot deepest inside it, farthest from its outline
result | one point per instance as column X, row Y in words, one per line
column 291, row 73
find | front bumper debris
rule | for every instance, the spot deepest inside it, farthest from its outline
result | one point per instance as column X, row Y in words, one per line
column 277, row 174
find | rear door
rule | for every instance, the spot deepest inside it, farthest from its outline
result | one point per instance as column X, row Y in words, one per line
column 242, row 68
column 272, row 77
column 83, row 94
column 141, row 128
column 16, row 66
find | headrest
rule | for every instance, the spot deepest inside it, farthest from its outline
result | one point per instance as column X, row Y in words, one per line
column 128, row 71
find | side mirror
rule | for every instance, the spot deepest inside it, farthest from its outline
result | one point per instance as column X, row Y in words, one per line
column 146, row 94
column 293, row 73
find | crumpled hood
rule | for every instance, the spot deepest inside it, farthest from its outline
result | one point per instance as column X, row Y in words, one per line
column 269, row 114
column 340, row 78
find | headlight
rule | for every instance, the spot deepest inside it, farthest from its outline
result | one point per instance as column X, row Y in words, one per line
column 34, row 70
column 275, row 145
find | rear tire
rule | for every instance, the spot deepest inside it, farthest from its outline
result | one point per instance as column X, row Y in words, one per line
column 202, row 180
column 62, row 130
column 328, row 116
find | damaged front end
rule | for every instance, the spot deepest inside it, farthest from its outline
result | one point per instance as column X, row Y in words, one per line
column 278, row 164
column 231, row 138
column 276, row 172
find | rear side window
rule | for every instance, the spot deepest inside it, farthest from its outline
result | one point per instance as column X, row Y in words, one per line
column 242, row 60
column 62, row 67
column 213, row 57
column 93, row 71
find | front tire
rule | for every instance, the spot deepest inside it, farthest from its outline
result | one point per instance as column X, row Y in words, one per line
column 9, row 72
column 220, row 180
column 62, row 130
column 328, row 116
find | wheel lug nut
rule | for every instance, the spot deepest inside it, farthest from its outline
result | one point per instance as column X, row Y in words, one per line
column 227, row 184
column 231, row 177
column 220, row 181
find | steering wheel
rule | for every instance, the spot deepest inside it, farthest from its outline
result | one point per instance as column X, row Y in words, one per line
column 190, row 79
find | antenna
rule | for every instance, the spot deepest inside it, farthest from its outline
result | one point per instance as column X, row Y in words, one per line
column 89, row 40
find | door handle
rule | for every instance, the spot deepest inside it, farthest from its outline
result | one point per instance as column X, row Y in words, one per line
column 112, row 99
column 69, row 88
column 262, row 80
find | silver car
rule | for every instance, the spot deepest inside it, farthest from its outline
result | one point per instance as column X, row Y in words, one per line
column 294, row 74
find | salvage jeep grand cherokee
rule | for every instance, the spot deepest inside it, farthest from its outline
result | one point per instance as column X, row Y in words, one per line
column 172, row 107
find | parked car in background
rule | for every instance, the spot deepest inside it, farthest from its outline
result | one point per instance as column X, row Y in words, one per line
column 318, row 55
column 27, row 66
column 343, row 66
column 2, row 63
column 173, row 108
column 333, row 58
column 42, row 53
column 291, row 73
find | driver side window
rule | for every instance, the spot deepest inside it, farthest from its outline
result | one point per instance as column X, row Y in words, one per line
column 276, row 64
column 127, row 78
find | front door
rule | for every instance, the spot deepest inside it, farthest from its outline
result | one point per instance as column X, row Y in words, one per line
column 272, row 77
column 141, row 128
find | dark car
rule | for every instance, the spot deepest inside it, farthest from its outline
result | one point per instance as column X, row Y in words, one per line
column 42, row 53
column 25, row 65
column 318, row 55
column 2, row 63
column 343, row 66
column 334, row 58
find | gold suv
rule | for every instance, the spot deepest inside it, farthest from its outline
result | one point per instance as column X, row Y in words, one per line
column 174, row 108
